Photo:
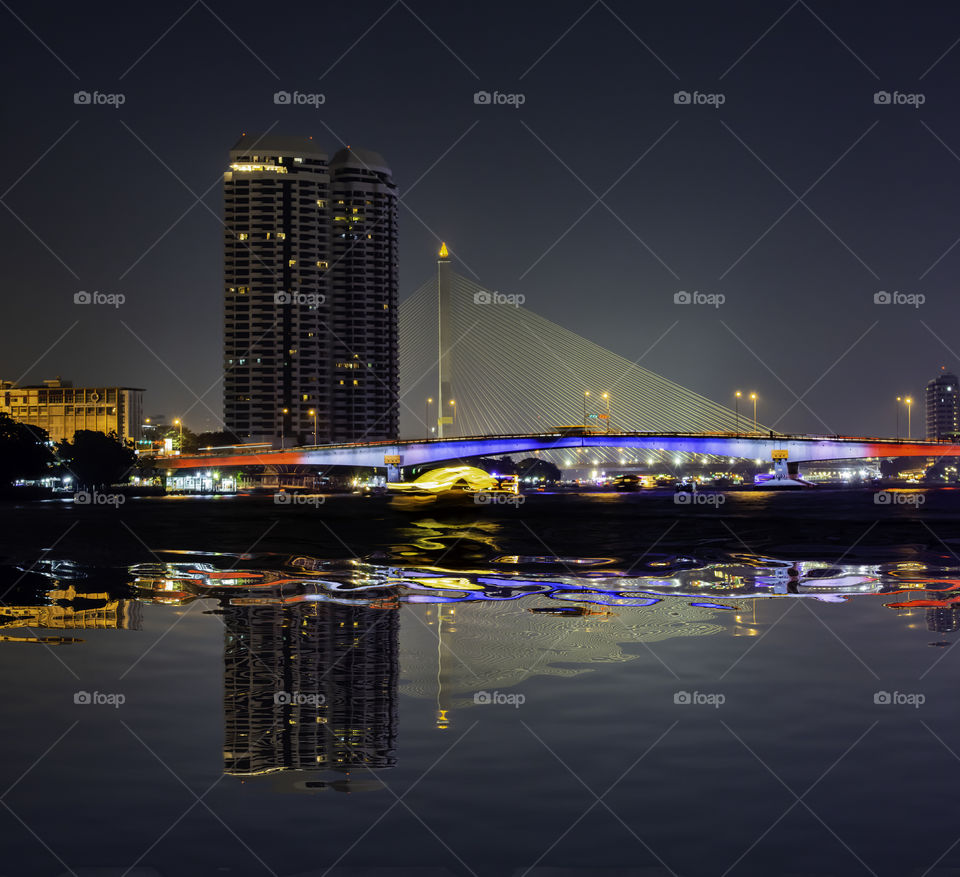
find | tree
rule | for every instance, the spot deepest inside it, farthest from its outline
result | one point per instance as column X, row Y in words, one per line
column 96, row 459
column 539, row 470
column 213, row 439
column 24, row 450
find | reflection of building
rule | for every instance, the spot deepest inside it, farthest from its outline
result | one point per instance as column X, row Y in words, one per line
column 309, row 686
column 943, row 619
column 310, row 297
column 62, row 409
column 70, row 610
column 943, row 407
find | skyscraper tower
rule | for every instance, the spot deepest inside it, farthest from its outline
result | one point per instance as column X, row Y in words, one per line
column 310, row 293
column 943, row 407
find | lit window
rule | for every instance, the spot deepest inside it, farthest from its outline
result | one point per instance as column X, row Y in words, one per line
column 243, row 236
column 292, row 262
column 323, row 263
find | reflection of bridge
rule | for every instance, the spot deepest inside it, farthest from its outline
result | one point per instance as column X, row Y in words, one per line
column 418, row 452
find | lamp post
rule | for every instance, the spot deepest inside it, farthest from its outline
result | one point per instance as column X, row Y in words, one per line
column 736, row 397
column 754, row 397
column 909, row 402
column 453, row 405
column 178, row 422
column 606, row 398
column 283, row 426
column 585, row 394
column 313, row 413
column 426, row 414
column 899, row 400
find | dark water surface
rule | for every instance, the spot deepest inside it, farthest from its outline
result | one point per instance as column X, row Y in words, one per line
column 578, row 685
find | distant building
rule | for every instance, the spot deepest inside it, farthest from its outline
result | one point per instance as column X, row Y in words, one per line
column 943, row 408
column 62, row 409
column 310, row 293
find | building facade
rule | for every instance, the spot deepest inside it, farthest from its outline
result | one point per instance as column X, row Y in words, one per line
column 943, row 408
column 310, row 293
column 62, row 409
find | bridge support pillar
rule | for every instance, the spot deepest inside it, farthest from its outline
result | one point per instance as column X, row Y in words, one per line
column 393, row 463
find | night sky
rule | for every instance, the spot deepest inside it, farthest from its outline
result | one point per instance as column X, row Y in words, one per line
column 107, row 197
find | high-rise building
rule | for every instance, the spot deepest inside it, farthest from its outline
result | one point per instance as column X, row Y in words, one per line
column 943, row 408
column 310, row 293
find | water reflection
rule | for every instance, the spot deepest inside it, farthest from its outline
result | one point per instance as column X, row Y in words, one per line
column 311, row 653
column 309, row 687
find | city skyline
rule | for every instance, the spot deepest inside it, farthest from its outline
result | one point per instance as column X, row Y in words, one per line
column 702, row 196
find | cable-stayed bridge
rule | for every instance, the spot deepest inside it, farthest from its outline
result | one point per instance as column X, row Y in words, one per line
column 506, row 369
column 492, row 378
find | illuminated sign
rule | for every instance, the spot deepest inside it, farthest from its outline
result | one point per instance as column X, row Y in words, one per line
column 778, row 455
column 392, row 460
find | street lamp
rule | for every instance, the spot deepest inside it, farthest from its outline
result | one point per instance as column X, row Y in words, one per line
column 909, row 402
column 585, row 394
column 754, row 397
column 899, row 400
column 453, row 404
column 606, row 398
column 178, row 422
column 737, row 404
column 283, row 426
column 426, row 414
column 313, row 413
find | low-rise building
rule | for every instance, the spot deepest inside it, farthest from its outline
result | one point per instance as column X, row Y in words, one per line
column 62, row 409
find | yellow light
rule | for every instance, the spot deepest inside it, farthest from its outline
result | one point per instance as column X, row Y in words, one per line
column 249, row 168
column 444, row 252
